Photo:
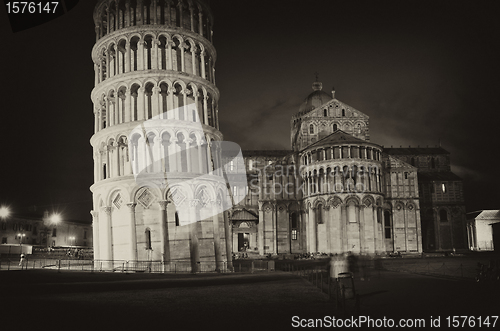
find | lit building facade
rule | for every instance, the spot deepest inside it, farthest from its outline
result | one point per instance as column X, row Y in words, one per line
column 41, row 232
column 154, row 64
column 336, row 191
column 480, row 229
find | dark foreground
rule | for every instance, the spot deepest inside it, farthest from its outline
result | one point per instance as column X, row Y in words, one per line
column 43, row 299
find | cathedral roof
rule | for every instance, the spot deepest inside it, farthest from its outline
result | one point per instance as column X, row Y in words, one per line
column 315, row 99
column 394, row 162
column 338, row 137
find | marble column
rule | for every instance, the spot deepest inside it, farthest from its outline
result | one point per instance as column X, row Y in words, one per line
column 164, row 235
column 260, row 230
column 132, row 233
column 106, row 239
column 95, row 234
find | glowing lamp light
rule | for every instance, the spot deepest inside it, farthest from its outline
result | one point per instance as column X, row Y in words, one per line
column 4, row 212
column 55, row 218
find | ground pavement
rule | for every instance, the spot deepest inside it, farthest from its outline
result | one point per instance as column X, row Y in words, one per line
column 269, row 301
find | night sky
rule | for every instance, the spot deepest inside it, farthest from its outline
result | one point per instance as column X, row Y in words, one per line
column 424, row 71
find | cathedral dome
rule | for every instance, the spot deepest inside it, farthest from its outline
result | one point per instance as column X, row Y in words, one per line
column 315, row 99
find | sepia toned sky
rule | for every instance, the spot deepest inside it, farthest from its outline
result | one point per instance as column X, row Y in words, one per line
column 426, row 72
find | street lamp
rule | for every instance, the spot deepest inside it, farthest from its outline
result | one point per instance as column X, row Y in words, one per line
column 21, row 236
column 49, row 221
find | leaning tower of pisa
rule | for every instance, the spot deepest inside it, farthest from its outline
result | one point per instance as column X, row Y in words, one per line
column 155, row 106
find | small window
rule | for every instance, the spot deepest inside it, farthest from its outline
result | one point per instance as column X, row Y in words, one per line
column 443, row 215
column 4, row 240
column 176, row 219
column 443, row 187
column 84, row 234
column 294, row 234
column 387, row 218
column 311, row 129
column 295, row 223
column 335, row 127
column 319, row 214
column 343, row 112
column 54, row 232
column 148, row 239
column 250, row 165
column 406, row 175
column 412, row 162
column 4, row 226
column 325, row 112
column 231, row 166
column 387, row 225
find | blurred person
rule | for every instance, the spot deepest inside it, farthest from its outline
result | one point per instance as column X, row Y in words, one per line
column 22, row 261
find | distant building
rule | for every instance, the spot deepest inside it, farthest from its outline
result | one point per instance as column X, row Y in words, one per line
column 39, row 232
column 496, row 236
column 480, row 230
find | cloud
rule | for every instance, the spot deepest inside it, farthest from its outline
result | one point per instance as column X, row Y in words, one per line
column 265, row 126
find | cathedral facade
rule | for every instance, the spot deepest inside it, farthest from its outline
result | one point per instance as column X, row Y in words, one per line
column 336, row 191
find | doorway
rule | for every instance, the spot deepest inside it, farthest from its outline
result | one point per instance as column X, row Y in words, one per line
column 243, row 242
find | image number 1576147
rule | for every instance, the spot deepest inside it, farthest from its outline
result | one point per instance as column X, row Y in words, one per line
column 48, row 7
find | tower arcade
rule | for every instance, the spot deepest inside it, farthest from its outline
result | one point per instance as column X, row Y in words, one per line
column 155, row 107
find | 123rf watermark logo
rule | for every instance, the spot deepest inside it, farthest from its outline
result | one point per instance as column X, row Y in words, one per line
column 366, row 321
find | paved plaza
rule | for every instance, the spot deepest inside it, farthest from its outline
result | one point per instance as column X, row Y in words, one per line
column 265, row 301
